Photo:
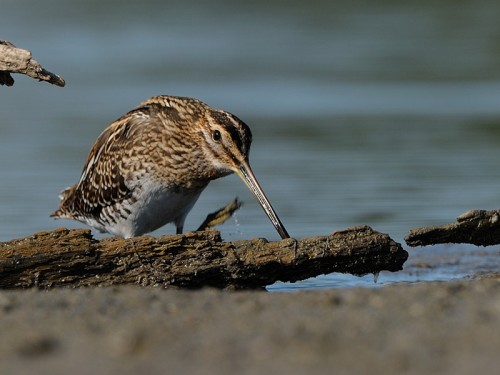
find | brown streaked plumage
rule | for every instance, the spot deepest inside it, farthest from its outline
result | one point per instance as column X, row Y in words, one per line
column 149, row 167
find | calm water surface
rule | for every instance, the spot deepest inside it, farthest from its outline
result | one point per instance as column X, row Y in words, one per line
column 369, row 112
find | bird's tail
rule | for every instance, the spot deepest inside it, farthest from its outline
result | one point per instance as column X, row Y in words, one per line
column 63, row 211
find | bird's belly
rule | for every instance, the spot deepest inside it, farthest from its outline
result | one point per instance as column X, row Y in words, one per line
column 153, row 207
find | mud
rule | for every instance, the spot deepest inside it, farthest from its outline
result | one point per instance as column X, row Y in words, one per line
column 445, row 328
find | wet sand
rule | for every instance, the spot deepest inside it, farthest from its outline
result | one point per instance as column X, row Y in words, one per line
column 445, row 328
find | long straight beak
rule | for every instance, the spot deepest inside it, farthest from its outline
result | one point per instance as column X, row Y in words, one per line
column 246, row 174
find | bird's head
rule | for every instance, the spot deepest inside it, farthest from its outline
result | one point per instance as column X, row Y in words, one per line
column 226, row 143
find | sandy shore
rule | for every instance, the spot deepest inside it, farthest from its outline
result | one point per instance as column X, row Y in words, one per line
column 445, row 328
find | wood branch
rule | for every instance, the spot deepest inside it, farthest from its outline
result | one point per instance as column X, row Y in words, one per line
column 220, row 216
column 73, row 258
column 17, row 60
column 478, row 227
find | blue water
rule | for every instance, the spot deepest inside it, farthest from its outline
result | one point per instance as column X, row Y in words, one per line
column 365, row 112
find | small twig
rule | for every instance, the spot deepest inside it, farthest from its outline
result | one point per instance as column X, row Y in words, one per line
column 17, row 60
column 220, row 216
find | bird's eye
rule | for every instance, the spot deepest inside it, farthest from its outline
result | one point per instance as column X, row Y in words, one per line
column 216, row 135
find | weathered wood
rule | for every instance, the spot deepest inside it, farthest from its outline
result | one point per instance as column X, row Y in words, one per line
column 17, row 60
column 478, row 227
column 220, row 216
column 73, row 258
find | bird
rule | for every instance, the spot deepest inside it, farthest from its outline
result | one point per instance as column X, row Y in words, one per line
column 148, row 168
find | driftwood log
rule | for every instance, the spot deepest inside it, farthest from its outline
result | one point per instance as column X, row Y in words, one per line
column 73, row 258
column 17, row 60
column 477, row 227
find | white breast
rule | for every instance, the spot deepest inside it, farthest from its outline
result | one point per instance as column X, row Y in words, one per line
column 154, row 206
